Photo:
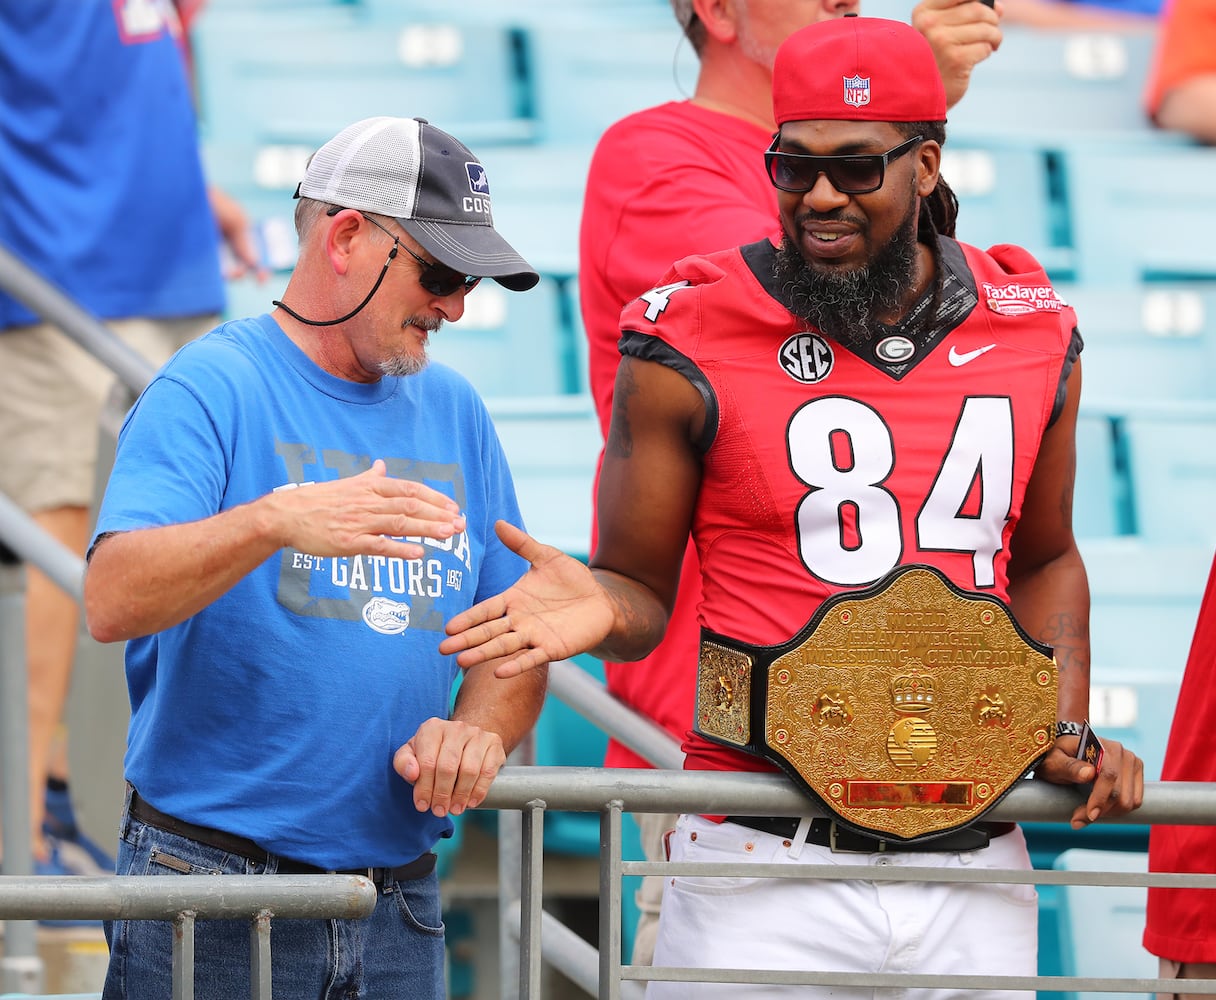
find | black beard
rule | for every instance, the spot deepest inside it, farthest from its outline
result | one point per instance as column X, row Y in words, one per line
column 845, row 305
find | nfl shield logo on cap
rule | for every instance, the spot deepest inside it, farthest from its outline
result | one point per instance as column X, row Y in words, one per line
column 857, row 91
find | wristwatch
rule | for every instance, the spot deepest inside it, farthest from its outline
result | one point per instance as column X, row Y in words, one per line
column 1069, row 728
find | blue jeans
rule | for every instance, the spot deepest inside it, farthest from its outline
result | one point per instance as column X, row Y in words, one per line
column 397, row 953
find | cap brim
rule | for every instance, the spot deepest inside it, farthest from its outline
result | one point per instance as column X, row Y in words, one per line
column 475, row 250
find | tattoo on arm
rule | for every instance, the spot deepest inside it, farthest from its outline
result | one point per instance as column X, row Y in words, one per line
column 620, row 437
column 637, row 619
column 1069, row 638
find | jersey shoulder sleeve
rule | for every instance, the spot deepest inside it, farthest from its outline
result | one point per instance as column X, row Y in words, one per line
column 672, row 310
column 1010, row 282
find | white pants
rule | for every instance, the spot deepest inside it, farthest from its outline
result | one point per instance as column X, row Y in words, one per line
column 649, row 897
column 829, row 925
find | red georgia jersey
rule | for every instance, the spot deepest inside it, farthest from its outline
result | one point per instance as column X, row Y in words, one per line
column 824, row 470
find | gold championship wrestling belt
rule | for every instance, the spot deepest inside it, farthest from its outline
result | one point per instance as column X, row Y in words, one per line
column 908, row 709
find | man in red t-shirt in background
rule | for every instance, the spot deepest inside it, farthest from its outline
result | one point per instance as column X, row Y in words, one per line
column 1180, row 925
column 695, row 183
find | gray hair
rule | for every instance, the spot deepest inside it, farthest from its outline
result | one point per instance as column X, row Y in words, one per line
column 308, row 211
column 689, row 23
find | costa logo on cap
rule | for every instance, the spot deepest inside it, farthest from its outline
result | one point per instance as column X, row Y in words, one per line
column 479, row 183
column 856, row 91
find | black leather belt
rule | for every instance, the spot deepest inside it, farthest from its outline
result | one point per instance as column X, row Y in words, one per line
column 242, row 847
column 828, row 833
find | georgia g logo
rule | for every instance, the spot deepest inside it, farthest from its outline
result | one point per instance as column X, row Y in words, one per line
column 806, row 358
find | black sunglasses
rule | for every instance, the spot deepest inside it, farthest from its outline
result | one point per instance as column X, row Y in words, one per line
column 855, row 173
column 436, row 278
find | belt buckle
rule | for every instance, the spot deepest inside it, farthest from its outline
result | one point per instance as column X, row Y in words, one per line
column 891, row 696
column 386, row 883
column 833, row 845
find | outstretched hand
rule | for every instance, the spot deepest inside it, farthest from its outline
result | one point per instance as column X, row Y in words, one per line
column 555, row 610
column 1118, row 787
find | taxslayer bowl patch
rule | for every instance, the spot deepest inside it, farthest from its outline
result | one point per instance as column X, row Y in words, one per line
column 1017, row 299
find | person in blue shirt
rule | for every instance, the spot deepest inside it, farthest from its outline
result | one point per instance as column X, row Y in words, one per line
column 103, row 196
column 298, row 505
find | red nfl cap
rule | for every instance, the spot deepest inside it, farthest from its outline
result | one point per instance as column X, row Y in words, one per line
column 857, row 69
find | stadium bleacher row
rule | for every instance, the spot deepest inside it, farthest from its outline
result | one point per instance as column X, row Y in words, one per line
column 1049, row 150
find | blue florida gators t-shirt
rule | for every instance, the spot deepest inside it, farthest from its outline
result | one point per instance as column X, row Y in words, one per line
column 274, row 712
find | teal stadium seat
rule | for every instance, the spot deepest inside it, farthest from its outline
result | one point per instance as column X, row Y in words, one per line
column 1144, row 600
column 510, row 344
column 1145, row 341
column 588, row 72
column 1100, row 497
column 552, row 444
column 1173, row 471
column 537, row 191
column 1042, row 96
column 1100, row 926
column 299, row 75
column 1046, row 86
column 1141, row 212
column 1006, row 195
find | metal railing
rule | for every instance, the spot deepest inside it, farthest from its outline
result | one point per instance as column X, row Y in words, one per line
column 186, row 899
column 23, row 538
column 610, row 793
column 40, row 296
column 528, row 935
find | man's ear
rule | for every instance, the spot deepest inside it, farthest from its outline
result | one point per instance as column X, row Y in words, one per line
column 720, row 18
column 928, row 167
column 339, row 238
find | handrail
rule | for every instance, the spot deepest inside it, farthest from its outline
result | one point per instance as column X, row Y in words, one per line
column 28, row 287
column 233, row 897
column 721, row 793
column 38, row 547
column 590, row 698
column 184, row 900
column 533, row 790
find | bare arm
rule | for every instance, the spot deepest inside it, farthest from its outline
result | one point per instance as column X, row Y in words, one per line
column 1191, row 107
column 647, row 493
column 1049, row 594
column 145, row 581
column 1060, row 15
column 237, row 234
column 962, row 34
column 619, row 607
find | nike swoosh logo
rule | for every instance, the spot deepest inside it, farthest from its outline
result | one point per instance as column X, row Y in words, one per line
column 958, row 359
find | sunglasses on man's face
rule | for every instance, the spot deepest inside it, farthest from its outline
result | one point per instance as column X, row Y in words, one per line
column 858, row 173
column 439, row 279
column 436, row 278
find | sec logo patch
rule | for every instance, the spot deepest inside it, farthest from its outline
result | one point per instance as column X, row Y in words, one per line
column 806, row 358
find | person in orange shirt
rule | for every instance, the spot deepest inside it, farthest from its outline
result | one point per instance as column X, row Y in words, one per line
column 1181, row 91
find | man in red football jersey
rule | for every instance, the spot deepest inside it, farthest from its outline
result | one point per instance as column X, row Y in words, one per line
column 696, row 185
column 823, row 413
